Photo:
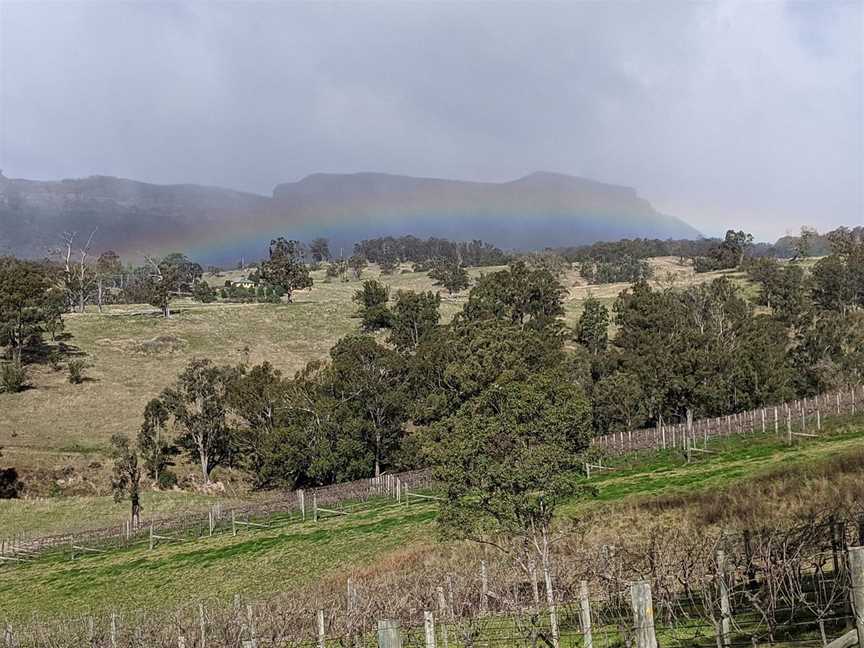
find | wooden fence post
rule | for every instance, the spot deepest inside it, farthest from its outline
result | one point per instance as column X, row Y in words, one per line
column 442, row 615
column 429, row 628
column 389, row 634
column 856, row 567
column 585, row 614
column 314, row 506
column 301, row 495
column 203, row 622
column 322, row 637
column 725, row 607
column 643, row 615
column 151, row 536
column 233, row 524
column 484, row 588
column 113, row 630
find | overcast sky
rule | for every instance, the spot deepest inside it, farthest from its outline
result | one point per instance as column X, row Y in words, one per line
column 726, row 114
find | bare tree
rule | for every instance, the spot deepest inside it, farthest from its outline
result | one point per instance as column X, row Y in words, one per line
column 77, row 279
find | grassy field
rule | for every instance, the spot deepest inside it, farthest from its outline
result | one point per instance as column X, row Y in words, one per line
column 56, row 433
column 644, row 490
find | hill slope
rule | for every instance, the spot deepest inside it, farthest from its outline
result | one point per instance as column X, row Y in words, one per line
column 218, row 225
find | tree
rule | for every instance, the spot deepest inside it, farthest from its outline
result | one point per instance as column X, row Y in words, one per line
column 24, row 303
column 414, row 316
column 156, row 451
column 108, row 268
column 525, row 297
column 388, row 264
column 77, row 278
column 126, row 476
column 450, row 274
column 285, row 268
column 183, row 272
column 203, row 292
column 319, row 248
column 592, row 331
column 618, row 403
column 160, row 285
column 367, row 379
column 372, row 302
column 507, row 459
column 197, row 403
column 256, row 396
column 358, row 264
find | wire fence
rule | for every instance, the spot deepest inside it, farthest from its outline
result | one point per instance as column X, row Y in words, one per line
column 791, row 420
column 283, row 509
column 762, row 587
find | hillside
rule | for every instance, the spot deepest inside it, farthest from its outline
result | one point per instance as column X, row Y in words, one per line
column 216, row 225
column 735, row 487
column 57, row 434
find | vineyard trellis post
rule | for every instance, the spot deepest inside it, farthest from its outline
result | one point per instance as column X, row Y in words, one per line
column 429, row 628
column 725, row 607
column 856, row 567
column 322, row 637
column 585, row 615
column 442, row 615
column 643, row 615
column 389, row 634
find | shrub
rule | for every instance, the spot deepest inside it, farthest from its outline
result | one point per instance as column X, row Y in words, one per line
column 167, row 479
column 13, row 377
column 76, row 371
column 55, row 360
column 10, row 486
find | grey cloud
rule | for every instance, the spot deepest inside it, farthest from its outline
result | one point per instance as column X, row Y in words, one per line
column 747, row 114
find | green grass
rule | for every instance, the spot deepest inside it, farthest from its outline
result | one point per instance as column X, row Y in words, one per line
column 734, row 458
column 251, row 562
column 264, row 561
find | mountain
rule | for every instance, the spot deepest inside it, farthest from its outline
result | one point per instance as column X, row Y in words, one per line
column 216, row 225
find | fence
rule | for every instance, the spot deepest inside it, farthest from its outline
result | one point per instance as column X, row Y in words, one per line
column 795, row 419
column 799, row 418
column 285, row 509
column 801, row 585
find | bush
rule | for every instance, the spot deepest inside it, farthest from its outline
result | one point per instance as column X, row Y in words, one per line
column 167, row 479
column 10, row 486
column 76, row 371
column 13, row 377
column 55, row 360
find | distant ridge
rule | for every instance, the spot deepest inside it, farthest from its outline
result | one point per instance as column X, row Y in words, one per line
column 217, row 225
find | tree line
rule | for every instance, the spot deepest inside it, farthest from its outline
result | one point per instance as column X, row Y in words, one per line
column 506, row 373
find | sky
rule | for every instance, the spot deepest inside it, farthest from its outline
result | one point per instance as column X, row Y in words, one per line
column 726, row 114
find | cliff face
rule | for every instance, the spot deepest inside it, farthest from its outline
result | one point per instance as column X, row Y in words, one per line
column 217, row 224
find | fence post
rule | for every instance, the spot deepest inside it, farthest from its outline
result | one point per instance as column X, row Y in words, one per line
column 113, row 630
column 151, row 536
column 484, row 588
column 301, row 495
column 203, row 624
column 233, row 524
column 442, row 615
column 389, row 635
column 856, row 567
column 643, row 615
column 9, row 637
column 210, row 520
column 314, row 506
column 585, row 612
column 725, row 608
column 429, row 628
column 321, row 632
